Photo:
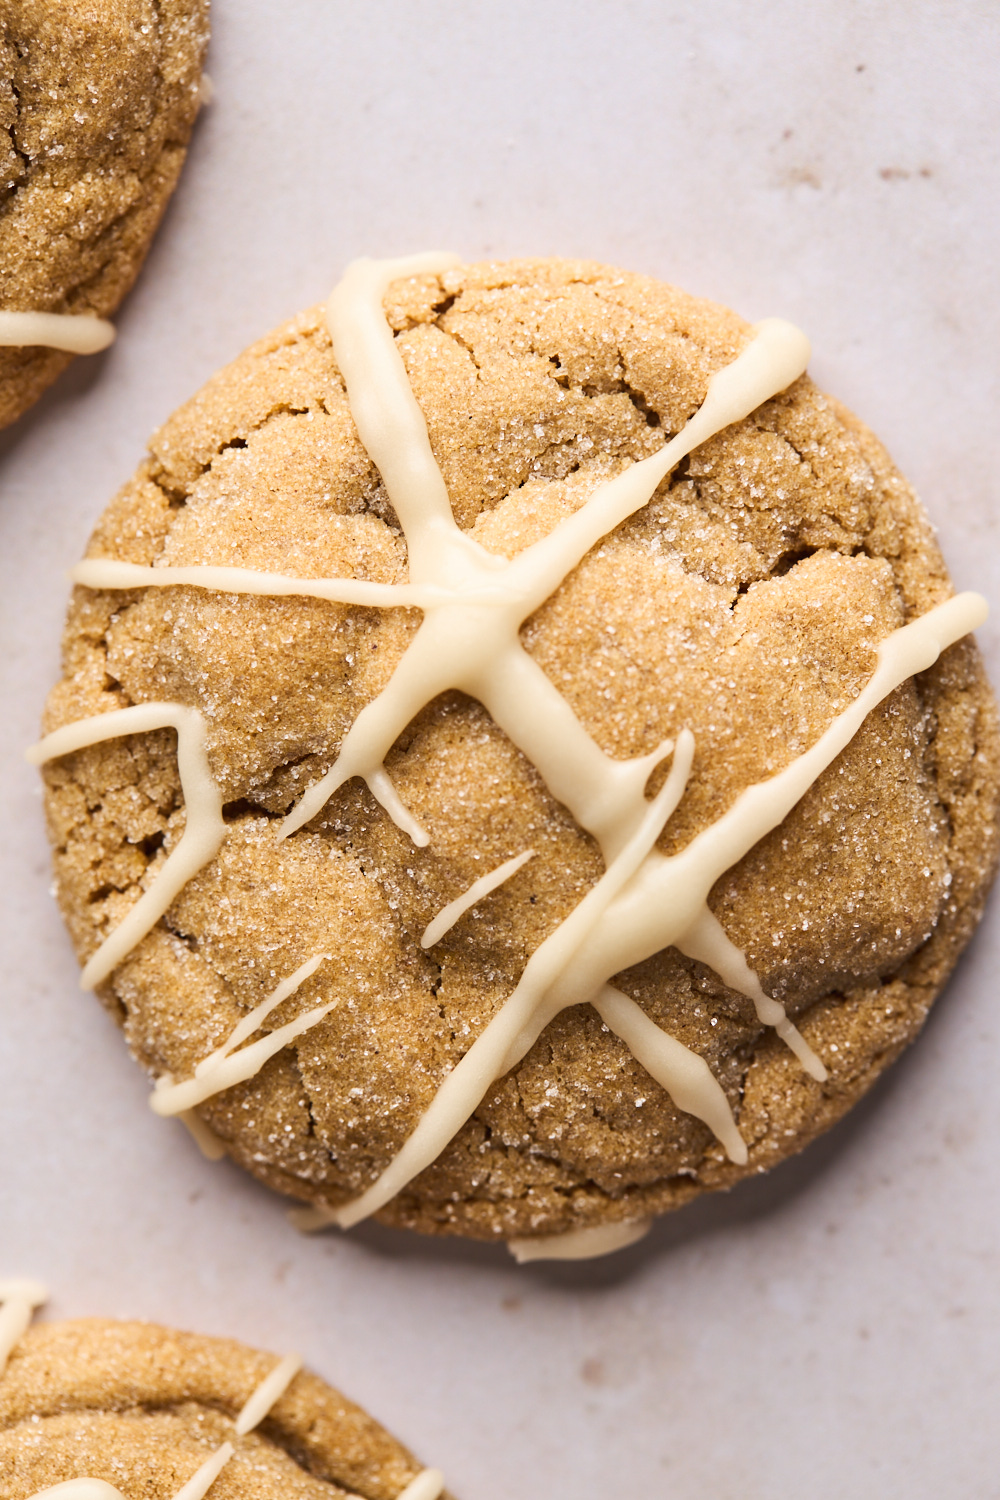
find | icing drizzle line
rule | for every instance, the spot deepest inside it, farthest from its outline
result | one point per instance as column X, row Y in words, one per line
column 580, row 1244
column 224, row 1067
column 204, row 829
column 77, row 333
column 20, row 1298
column 449, row 915
column 474, row 604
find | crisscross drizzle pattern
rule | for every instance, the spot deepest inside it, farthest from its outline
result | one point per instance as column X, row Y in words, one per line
column 474, row 604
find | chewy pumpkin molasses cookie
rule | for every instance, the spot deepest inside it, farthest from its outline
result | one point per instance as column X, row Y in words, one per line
column 97, row 100
column 130, row 1411
column 504, row 779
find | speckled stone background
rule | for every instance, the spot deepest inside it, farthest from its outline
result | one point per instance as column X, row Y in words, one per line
column 829, row 1330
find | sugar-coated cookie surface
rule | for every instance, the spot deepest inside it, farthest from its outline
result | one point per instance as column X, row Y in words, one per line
column 143, row 1408
column 744, row 604
column 97, row 101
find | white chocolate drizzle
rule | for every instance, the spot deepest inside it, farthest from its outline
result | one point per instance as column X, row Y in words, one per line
column 104, row 573
column 204, row 829
column 18, row 1300
column 206, row 1474
column 474, row 604
column 225, row 1067
column 427, row 1485
column 211, row 1146
column 77, row 333
column 579, row 1244
column 310, row 1218
column 449, row 915
column 270, row 1390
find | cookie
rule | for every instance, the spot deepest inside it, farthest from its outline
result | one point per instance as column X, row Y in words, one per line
column 97, row 101
column 132, row 1410
column 520, row 761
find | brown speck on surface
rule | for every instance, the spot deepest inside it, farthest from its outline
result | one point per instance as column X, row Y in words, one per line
column 801, row 176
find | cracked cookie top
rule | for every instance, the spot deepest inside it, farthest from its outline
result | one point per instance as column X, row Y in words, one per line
column 97, row 101
column 743, row 606
column 143, row 1408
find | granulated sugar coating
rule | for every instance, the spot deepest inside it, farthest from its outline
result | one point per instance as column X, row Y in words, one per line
column 97, row 101
column 142, row 1407
column 745, row 603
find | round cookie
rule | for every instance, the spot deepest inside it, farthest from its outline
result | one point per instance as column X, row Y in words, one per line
column 744, row 604
column 97, row 101
column 142, row 1408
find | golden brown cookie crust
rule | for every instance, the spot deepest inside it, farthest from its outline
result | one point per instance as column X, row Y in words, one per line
column 744, row 602
column 142, row 1407
column 97, row 101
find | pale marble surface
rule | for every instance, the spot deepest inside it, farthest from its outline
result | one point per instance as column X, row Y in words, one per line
column 828, row 1331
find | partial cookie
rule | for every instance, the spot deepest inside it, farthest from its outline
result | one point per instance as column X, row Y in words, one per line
column 736, row 613
column 97, row 101
column 144, row 1408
